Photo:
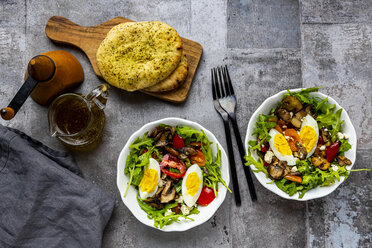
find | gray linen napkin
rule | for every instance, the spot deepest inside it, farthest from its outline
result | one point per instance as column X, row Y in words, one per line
column 44, row 201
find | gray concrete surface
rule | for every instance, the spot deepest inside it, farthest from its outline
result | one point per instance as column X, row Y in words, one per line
column 269, row 46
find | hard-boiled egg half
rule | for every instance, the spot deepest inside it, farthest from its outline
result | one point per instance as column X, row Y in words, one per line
column 192, row 185
column 281, row 148
column 309, row 134
column 149, row 182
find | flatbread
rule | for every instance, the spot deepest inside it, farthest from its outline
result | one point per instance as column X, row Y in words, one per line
column 137, row 55
column 174, row 80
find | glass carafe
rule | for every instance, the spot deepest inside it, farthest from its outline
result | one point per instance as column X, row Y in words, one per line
column 77, row 120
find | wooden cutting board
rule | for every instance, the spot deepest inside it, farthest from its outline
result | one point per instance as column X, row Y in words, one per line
column 88, row 39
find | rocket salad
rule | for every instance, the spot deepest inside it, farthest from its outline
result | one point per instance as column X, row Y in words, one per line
column 174, row 172
column 300, row 144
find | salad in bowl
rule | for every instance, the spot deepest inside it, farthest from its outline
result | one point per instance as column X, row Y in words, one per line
column 174, row 173
column 301, row 143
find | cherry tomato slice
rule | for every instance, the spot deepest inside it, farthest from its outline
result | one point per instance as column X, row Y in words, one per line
column 295, row 137
column 198, row 158
column 206, row 196
column 178, row 142
column 173, row 162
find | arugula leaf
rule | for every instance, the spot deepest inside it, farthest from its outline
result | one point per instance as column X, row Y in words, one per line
column 160, row 220
column 141, row 142
column 137, row 176
column 345, row 146
column 258, row 164
column 213, row 175
column 304, row 95
column 262, row 130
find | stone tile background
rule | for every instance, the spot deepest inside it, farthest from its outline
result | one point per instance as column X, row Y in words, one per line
column 269, row 45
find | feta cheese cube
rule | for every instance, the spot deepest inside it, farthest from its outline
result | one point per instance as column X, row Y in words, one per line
column 168, row 212
column 340, row 136
column 185, row 209
column 269, row 157
column 334, row 167
column 294, row 169
column 322, row 148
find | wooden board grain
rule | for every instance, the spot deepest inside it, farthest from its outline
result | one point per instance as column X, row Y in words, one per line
column 88, row 39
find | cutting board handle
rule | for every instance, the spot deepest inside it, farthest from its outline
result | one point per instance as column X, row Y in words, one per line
column 61, row 30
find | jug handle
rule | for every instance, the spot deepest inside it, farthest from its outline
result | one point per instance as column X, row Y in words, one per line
column 99, row 95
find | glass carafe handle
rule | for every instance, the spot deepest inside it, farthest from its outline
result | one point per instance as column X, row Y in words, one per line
column 99, row 95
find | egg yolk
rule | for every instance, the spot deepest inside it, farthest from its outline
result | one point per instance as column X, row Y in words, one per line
column 308, row 137
column 281, row 145
column 149, row 181
column 193, row 183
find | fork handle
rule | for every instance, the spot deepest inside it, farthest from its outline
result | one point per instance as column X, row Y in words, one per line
column 234, row 176
column 247, row 172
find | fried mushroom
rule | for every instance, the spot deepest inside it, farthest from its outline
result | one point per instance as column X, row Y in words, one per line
column 168, row 194
column 292, row 104
column 283, row 114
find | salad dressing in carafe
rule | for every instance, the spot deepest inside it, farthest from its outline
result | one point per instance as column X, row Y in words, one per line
column 78, row 120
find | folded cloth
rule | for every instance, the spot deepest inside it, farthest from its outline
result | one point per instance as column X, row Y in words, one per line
column 44, row 201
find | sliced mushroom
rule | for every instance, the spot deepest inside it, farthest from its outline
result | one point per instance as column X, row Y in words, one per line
column 276, row 171
column 301, row 114
column 163, row 141
column 168, row 194
column 342, row 160
column 317, row 161
column 158, row 192
column 292, row 104
column 296, row 122
column 172, row 151
column 325, row 165
column 171, row 130
column 157, row 137
column 320, row 162
column 302, row 152
column 188, row 151
column 310, row 110
column 155, row 132
column 283, row 114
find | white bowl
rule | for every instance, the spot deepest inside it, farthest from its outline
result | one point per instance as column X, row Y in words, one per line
column 131, row 201
column 317, row 192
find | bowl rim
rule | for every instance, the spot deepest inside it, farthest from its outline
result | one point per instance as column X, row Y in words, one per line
column 221, row 195
column 329, row 188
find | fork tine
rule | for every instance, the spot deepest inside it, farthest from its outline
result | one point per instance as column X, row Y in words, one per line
column 229, row 81
column 213, row 85
column 220, row 82
column 216, row 87
column 225, row 81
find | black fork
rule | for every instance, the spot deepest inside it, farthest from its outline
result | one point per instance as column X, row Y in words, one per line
column 216, row 95
column 228, row 103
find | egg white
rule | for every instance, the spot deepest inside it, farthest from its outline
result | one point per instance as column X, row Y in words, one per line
column 311, row 122
column 290, row 159
column 153, row 164
column 187, row 198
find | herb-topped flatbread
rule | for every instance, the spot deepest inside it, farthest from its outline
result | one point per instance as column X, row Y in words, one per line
column 138, row 55
column 174, row 80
